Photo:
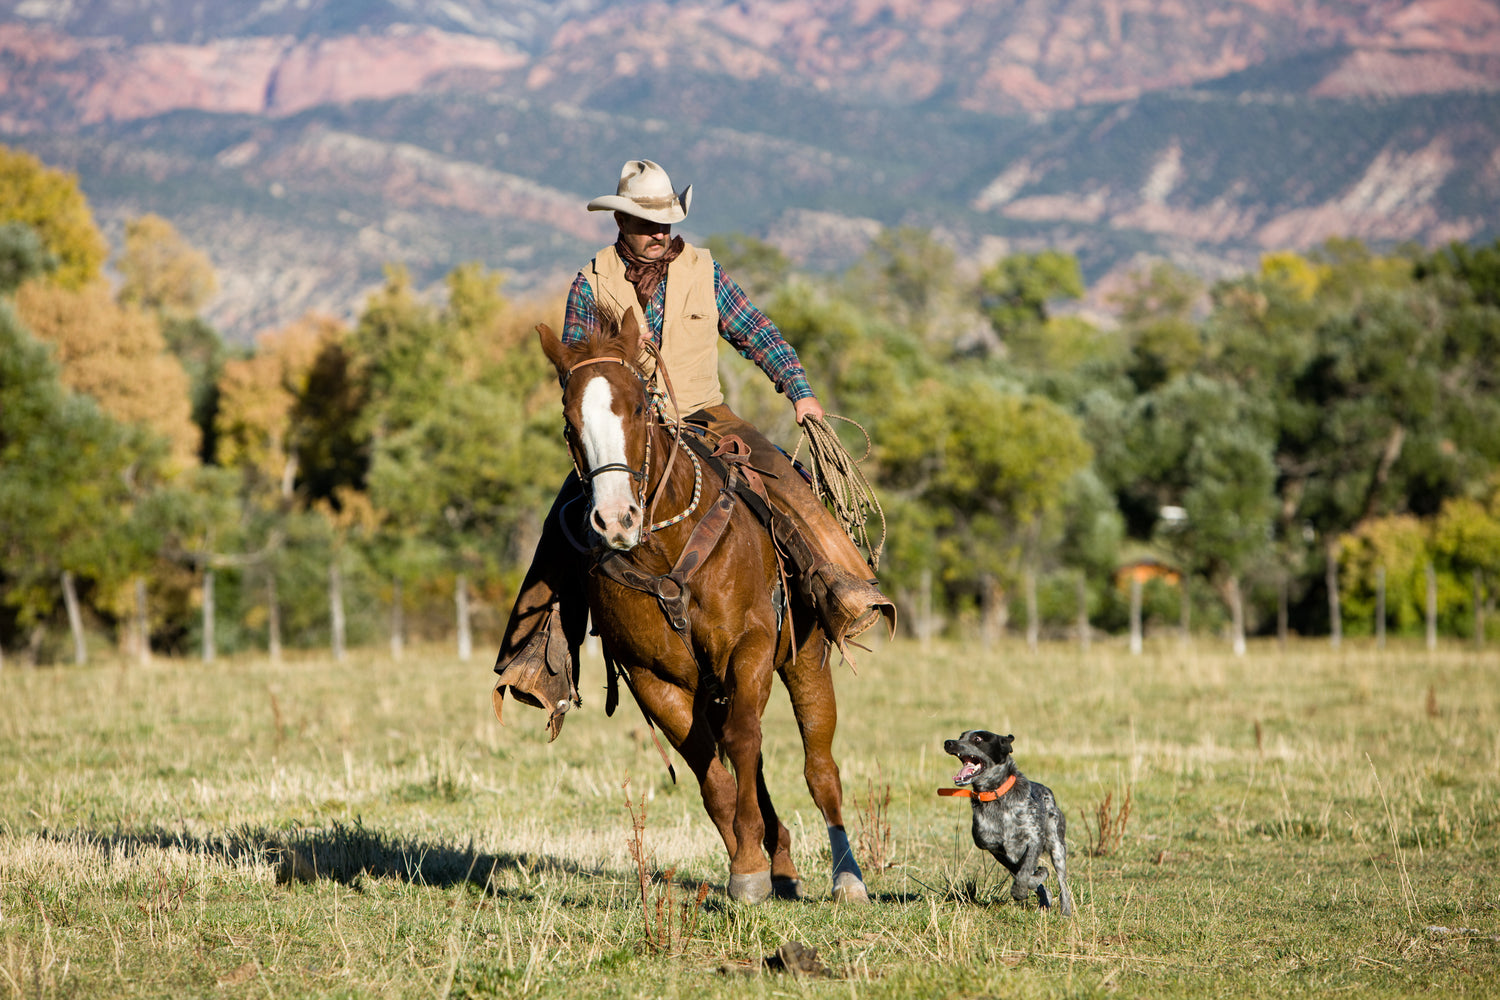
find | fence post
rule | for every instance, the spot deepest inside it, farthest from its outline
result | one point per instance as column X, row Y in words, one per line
column 336, row 607
column 398, row 624
column 142, row 624
column 1184, row 610
column 1135, row 614
column 1379, row 607
column 461, row 598
column 273, row 616
column 1083, row 611
column 75, row 618
column 1478, row 610
column 924, row 609
column 1282, row 600
column 1033, row 612
column 1335, row 608
column 1431, row 608
column 209, row 643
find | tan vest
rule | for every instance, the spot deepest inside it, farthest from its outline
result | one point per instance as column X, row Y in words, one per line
column 690, row 322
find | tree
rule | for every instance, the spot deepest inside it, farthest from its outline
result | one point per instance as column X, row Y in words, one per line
column 1156, row 313
column 405, row 352
column 1374, row 385
column 1205, row 447
column 116, row 356
column 758, row 267
column 22, row 256
column 1017, row 289
column 1228, row 508
column 50, row 202
column 259, row 396
column 1466, row 549
column 1396, row 547
column 62, row 492
column 990, row 467
column 473, row 313
column 915, row 283
column 161, row 272
column 1015, row 293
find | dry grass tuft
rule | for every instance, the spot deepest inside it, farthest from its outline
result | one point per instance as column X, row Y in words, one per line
column 873, row 843
column 1108, row 830
column 668, row 923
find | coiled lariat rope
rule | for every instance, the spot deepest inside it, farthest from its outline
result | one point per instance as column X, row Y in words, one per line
column 838, row 482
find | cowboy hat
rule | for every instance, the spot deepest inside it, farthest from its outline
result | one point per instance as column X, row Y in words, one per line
column 645, row 191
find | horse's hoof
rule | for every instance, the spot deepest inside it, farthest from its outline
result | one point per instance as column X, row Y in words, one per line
column 849, row 888
column 788, row 888
column 752, row 888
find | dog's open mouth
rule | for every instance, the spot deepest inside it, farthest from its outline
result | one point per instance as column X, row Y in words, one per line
column 966, row 773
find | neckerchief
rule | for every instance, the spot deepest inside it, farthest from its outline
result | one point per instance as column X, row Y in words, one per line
column 645, row 275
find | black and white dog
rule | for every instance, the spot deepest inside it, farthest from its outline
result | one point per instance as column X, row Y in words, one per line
column 1016, row 820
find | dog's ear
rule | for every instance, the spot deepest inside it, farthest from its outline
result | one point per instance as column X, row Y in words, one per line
column 1006, row 742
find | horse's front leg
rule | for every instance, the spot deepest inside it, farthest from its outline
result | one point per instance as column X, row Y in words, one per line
column 785, row 881
column 690, row 732
column 749, row 678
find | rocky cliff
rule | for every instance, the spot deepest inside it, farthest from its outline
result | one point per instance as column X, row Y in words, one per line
column 303, row 145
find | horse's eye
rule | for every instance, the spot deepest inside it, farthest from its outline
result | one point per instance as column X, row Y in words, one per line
column 640, row 408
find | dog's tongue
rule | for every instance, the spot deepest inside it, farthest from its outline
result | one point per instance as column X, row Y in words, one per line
column 966, row 772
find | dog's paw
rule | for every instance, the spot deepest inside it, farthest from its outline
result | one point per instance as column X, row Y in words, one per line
column 1042, row 899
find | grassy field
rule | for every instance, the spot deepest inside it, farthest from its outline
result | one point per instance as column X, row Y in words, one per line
column 1302, row 821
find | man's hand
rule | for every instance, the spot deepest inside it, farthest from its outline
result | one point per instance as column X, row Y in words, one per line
column 808, row 407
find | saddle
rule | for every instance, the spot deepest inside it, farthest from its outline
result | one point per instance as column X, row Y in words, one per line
column 741, row 483
column 549, row 681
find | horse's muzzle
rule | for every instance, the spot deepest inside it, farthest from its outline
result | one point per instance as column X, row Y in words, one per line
column 620, row 527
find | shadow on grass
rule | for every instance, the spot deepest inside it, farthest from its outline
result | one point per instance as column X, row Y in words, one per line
column 342, row 852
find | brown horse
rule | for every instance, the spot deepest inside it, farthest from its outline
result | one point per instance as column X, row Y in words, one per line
column 704, row 682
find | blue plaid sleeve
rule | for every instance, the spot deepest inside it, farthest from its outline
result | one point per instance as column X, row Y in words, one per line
column 746, row 328
column 751, row 333
column 582, row 313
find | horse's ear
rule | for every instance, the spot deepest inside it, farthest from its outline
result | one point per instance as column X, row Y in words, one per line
column 630, row 330
column 551, row 346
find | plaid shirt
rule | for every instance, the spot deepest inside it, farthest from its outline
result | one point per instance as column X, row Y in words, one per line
column 745, row 327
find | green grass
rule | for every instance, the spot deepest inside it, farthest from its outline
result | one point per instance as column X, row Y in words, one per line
column 1303, row 822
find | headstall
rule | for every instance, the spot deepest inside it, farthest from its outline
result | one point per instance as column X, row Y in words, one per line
column 643, row 474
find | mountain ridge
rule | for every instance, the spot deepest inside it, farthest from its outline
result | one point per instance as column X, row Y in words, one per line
column 331, row 137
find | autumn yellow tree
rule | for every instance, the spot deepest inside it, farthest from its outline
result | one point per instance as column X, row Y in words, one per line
column 115, row 355
column 50, row 202
column 161, row 272
column 258, row 396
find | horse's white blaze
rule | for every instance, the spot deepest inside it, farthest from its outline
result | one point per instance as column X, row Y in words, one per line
column 602, row 437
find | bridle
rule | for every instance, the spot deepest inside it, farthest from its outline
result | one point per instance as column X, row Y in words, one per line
column 642, row 475
column 588, row 476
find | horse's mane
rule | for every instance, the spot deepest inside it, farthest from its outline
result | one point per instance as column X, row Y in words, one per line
column 605, row 340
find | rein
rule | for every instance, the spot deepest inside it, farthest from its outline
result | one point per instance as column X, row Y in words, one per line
column 969, row 793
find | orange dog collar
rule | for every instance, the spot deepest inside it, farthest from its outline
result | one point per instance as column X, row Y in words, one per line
column 969, row 793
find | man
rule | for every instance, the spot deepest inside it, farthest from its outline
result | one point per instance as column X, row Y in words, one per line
column 685, row 304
